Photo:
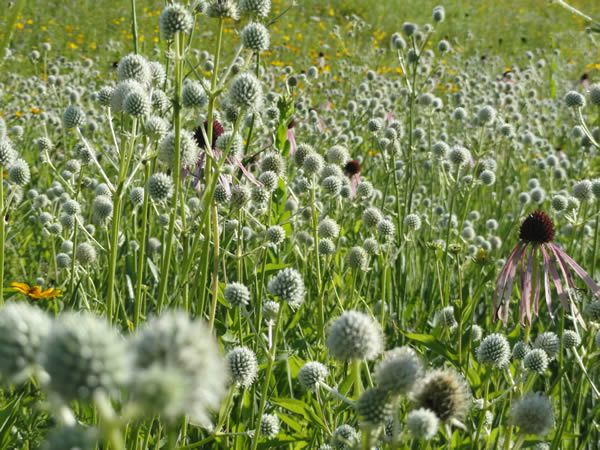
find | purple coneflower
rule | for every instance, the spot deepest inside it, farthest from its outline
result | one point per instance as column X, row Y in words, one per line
column 535, row 241
column 352, row 170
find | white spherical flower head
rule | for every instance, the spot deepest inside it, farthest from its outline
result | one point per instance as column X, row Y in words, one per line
column 422, row 423
column 188, row 150
column 175, row 18
column 533, row 414
column 288, row 285
column 246, row 92
column 354, row 335
column 23, row 332
column 243, row 366
column 174, row 341
column 84, row 355
column 255, row 37
column 311, row 374
column 399, row 370
column 258, row 8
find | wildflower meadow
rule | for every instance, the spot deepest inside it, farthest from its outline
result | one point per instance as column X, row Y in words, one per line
column 252, row 224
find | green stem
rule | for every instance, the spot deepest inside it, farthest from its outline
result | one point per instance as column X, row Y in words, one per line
column 142, row 254
column 166, row 263
column 270, row 364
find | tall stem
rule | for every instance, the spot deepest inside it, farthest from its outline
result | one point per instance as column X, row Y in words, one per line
column 265, row 390
column 116, row 219
column 142, row 254
column 134, row 30
column 166, row 263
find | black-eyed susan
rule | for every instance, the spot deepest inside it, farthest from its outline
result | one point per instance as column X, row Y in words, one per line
column 35, row 292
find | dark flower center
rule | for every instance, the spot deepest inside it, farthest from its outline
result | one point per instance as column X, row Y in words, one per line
column 537, row 228
column 218, row 130
column 352, row 167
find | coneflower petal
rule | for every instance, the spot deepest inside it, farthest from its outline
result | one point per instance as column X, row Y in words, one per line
column 501, row 282
column 587, row 279
column 547, row 290
column 526, row 276
column 505, row 296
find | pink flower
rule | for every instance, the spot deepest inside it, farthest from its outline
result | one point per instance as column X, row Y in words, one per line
column 535, row 242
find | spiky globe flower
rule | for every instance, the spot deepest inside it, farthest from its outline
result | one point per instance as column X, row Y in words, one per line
column 193, row 95
column 73, row 117
column 422, row 423
column 175, row 18
column 412, row 222
column 255, row 37
column 582, row 190
column 74, row 437
column 354, row 335
column 7, row 153
column 559, row 202
column 102, row 207
column 574, row 99
column 288, row 285
column 486, row 114
column 121, row 91
column 136, row 195
column 159, row 391
column 326, row 247
column 174, row 341
column 494, row 350
column 328, row 228
column 549, row 342
column 269, row 426
column 275, row 235
column 85, row 254
column 536, row 360
column 571, row 339
column 311, row 374
column 246, row 92
column 231, row 143
column 269, row 180
column 374, row 406
column 223, row 9
column 313, row 164
column 533, row 414
column 256, row 8
column 71, row 207
column 237, row 294
column 160, row 186
column 156, row 127
column 371, row 216
column 345, row 438
column 338, row 154
column 188, row 149
column 302, row 152
column 134, row 67
column 23, row 332
column 19, row 173
column 445, row 318
column 357, row 258
column 63, row 260
column 242, row 366
column 446, row 393
column 84, row 355
column 272, row 162
column 459, row 156
column 520, row 350
column 137, row 104
column 104, row 95
column 399, row 370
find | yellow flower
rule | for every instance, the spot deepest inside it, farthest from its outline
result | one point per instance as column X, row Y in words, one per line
column 35, row 292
